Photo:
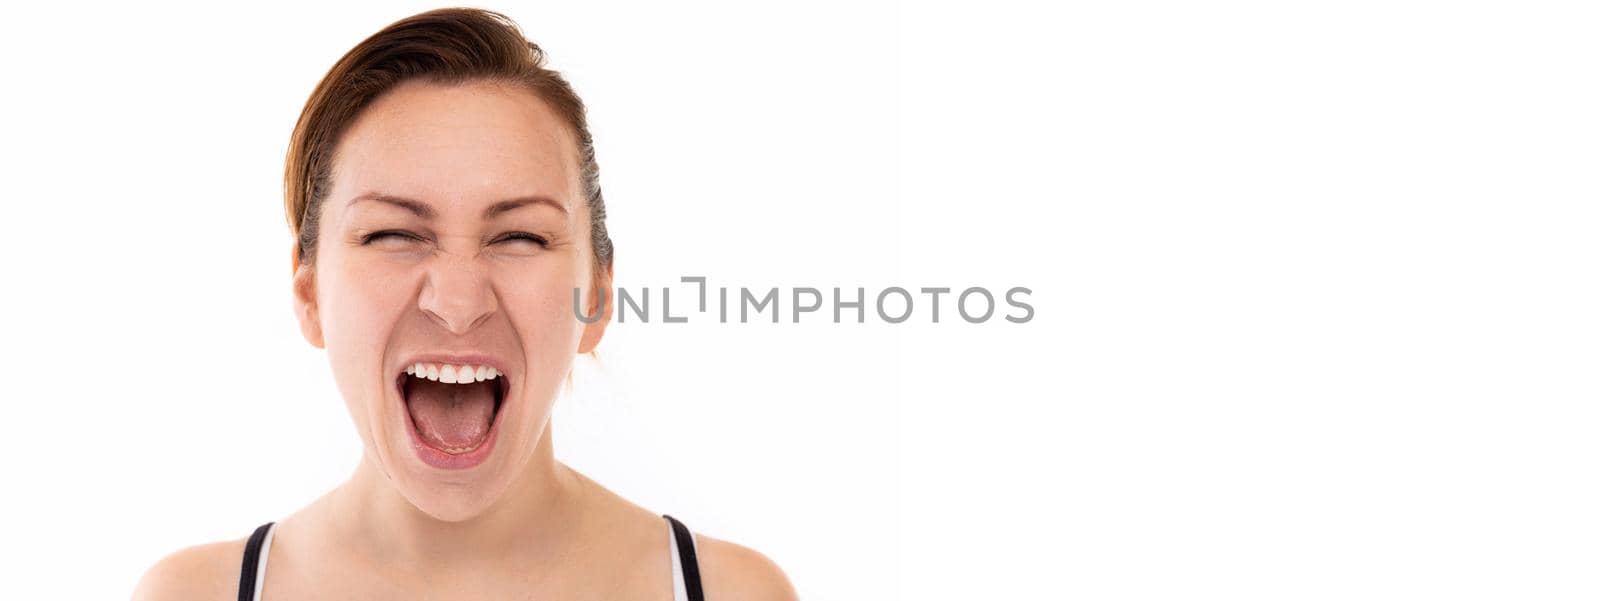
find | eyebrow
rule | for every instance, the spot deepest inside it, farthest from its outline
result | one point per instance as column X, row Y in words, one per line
column 421, row 209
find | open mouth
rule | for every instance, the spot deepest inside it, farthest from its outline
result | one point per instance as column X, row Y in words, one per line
column 452, row 408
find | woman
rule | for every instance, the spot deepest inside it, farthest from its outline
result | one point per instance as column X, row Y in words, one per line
column 443, row 194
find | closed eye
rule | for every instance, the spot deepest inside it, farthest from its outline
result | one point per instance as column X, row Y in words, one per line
column 525, row 236
column 369, row 238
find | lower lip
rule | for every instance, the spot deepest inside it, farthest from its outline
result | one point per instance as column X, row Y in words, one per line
column 447, row 461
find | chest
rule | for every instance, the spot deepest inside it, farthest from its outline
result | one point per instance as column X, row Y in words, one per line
column 630, row 576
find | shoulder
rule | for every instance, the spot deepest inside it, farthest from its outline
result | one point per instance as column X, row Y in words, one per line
column 732, row 571
column 208, row 571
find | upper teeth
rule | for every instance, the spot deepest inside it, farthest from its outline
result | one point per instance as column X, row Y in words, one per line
column 453, row 374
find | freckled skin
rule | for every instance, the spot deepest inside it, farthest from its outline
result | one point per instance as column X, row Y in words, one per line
column 521, row 524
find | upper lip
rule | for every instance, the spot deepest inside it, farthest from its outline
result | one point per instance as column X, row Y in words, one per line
column 462, row 358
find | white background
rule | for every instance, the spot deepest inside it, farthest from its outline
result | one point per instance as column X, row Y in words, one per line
column 1315, row 290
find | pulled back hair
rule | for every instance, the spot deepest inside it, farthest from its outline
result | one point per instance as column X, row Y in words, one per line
column 444, row 46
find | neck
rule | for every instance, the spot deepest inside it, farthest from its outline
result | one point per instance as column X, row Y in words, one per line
column 530, row 519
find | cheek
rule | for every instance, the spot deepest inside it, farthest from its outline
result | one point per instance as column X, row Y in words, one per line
column 358, row 304
column 539, row 303
column 362, row 297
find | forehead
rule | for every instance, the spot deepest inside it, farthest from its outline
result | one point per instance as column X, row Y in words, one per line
column 464, row 144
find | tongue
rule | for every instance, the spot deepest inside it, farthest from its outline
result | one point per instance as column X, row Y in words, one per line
column 451, row 417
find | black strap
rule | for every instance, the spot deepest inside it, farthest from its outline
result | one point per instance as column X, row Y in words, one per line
column 686, row 558
column 252, row 557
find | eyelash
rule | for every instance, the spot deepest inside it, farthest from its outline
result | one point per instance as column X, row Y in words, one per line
column 367, row 239
column 527, row 236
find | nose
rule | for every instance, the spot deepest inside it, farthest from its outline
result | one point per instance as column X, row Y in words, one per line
column 456, row 294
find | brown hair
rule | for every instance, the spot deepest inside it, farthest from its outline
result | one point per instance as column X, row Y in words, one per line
column 446, row 46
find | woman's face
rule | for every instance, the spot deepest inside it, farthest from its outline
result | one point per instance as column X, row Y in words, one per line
column 453, row 235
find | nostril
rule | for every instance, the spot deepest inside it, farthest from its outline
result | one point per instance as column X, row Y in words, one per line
column 458, row 302
column 461, row 324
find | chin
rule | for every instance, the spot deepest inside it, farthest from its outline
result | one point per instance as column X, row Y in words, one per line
column 450, row 504
column 452, row 495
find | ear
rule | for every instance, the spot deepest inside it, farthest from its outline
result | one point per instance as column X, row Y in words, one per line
column 600, row 292
column 305, row 299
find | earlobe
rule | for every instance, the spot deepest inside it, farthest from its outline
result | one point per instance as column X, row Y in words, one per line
column 305, row 302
